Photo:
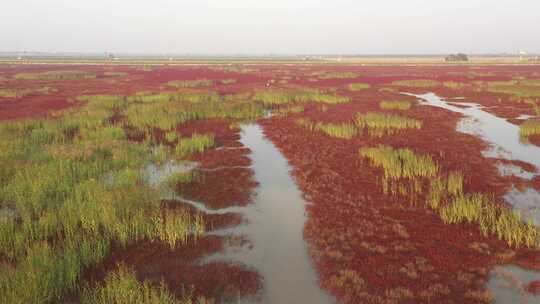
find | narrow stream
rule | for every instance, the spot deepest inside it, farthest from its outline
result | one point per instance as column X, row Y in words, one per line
column 275, row 224
column 507, row 283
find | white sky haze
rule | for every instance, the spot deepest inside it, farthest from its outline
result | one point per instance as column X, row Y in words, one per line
column 271, row 27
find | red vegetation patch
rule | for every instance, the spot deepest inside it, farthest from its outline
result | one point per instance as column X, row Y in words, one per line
column 181, row 270
column 534, row 287
column 368, row 246
column 221, row 188
column 534, row 139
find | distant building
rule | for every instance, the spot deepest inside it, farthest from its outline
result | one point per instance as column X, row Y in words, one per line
column 459, row 57
column 522, row 54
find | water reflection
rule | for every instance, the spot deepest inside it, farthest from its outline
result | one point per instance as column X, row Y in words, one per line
column 274, row 229
column 508, row 285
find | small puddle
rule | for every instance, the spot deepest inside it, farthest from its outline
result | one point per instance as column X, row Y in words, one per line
column 507, row 283
column 526, row 203
column 274, row 228
column 158, row 174
column 509, row 169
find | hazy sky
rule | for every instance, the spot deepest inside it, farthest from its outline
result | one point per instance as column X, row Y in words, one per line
column 273, row 26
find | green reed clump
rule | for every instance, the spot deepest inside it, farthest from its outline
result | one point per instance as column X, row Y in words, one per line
column 102, row 134
column 228, row 81
column 56, row 75
column 45, row 274
column 180, row 178
column 168, row 115
column 74, row 186
column 518, row 88
column 417, row 83
column 197, row 83
column 109, row 102
column 403, row 169
column 289, row 110
column 492, row 219
column 19, row 93
column 122, row 287
column 115, row 74
column 341, row 130
column 402, row 105
column 177, row 226
column 529, row 128
column 379, row 124
column 338, row 75
column 11, row 93
column 453, row 85
column 144, row 97
column 278, row 97
column 455, row 183
column 443, row 189
column 197, row 143
column 171, row 136
column 358, row 86
column 306, row 124
column 400, row 163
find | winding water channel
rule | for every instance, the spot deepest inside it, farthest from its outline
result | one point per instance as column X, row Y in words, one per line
column 507, row 283
column 273, row 226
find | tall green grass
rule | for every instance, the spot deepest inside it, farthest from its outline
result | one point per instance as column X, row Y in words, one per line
column 358, row 86
column 75, row 185
column 417, row 83
column 289, row 110
column 400, row 163
column 529, row 128
column 56, row 75
column 405, row 173
column 228, row 81
column 196, row 144
column 150, row 111
column 403, row 169
column 277, row 97
column 454, row 85
column 527, row 88
column 197, row 83
column 379, row 124
column 492, row 219
column 338, row 75
column 343, row 130
column 19, row 93
column 171, row 136
column 402, row 105
column 122, row 287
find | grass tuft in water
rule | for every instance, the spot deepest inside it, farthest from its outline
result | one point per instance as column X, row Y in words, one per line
column 196, row 144
column 122, row 287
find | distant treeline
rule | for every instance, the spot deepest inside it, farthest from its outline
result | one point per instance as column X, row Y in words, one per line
column 456, row 57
